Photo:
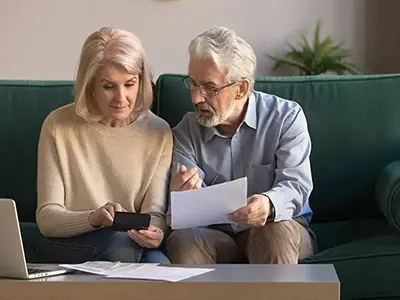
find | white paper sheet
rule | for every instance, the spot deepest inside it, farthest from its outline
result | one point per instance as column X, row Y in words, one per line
column 209, row 205
column 172, row 274
column 101, row 267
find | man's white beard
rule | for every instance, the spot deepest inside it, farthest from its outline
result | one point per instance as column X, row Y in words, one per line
column 215, row 119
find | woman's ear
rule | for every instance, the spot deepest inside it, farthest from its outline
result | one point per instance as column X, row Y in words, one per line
column 243, row 89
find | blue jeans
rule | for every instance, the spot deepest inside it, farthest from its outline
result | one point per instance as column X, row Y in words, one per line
column 102, row 245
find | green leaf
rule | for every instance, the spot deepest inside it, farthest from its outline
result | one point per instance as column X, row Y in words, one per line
column 294, row 53
column 292, row 48
column 317, row 31
column 305, row 44
column 350, row 68
column 326, row 46
column 284, row 60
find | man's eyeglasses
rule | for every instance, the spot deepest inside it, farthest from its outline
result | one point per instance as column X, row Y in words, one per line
column 206, row 90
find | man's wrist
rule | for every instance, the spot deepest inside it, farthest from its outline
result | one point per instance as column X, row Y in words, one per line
column 271, row 212
column 271, row 216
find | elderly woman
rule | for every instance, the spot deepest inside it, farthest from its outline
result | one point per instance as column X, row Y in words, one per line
column 106, row 152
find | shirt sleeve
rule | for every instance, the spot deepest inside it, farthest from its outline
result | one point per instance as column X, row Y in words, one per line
column 183, row 154
column 293, row 180
column 184, row 151
column 52, row 217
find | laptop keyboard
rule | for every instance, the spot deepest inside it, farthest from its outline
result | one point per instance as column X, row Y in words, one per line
column 35, row 271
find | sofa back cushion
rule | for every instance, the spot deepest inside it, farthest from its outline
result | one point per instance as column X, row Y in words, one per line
column 354, row 123
column 24, row 106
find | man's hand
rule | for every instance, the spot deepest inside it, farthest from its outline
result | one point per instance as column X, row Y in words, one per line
column 255, row 213
column 185, row 179
column 150, row 238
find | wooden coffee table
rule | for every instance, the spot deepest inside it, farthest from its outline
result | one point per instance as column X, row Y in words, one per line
column 248, row 282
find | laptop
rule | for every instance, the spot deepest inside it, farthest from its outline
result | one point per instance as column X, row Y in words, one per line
column 12, row 255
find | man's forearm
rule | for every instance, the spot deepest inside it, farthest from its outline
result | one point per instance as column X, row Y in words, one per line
column 286, row 201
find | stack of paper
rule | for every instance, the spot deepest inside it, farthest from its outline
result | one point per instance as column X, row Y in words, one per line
column 136, row 271
column 100, row 267
column 209, row 205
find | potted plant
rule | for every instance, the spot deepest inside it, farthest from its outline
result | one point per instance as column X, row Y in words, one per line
column 318, row 57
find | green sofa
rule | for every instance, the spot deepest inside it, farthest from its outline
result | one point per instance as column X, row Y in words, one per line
column 354, row 122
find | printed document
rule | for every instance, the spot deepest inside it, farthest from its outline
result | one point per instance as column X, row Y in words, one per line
column 151, row 272
column 208, row 205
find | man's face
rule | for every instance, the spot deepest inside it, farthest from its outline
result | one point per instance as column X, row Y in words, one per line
column 217, row 106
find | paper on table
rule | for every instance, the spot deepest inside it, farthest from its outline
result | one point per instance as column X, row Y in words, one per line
column 172, row 274
column 101, row 267
column 208, row 205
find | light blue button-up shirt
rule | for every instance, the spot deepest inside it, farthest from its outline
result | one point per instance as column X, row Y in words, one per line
column 271, row 148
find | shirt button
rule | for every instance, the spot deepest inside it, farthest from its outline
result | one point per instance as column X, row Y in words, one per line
column 237, row 169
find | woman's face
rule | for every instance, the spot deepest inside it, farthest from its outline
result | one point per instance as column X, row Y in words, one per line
column 115, row 92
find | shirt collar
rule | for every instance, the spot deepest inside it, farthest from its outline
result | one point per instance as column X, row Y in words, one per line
column 250, row 118
column 209, row 133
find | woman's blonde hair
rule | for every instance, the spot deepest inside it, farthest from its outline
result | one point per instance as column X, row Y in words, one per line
column 110, row 46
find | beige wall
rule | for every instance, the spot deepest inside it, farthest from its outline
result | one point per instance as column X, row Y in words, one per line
column 382, row 41
column 41, row 39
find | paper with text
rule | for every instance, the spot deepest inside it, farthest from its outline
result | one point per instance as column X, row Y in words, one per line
column 101, row 267
column 208, row 205
column 172, row 274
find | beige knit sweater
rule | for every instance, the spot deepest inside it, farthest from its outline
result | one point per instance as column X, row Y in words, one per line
column 83, row 165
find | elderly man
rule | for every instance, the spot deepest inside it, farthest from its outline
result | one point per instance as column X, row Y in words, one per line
column 236, row 131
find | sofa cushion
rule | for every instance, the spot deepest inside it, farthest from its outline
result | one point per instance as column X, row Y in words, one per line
column 24, row 106
column 354, row 126
column 332, row 234
column 387, row 193
column 31, row 237
column 366, row 268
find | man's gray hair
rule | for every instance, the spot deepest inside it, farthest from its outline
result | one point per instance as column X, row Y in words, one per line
column 230, row 53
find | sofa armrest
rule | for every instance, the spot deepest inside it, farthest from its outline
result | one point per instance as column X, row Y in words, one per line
column 387, row 193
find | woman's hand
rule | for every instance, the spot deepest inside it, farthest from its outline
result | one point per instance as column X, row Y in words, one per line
column 150, row 238
column 104, row 216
